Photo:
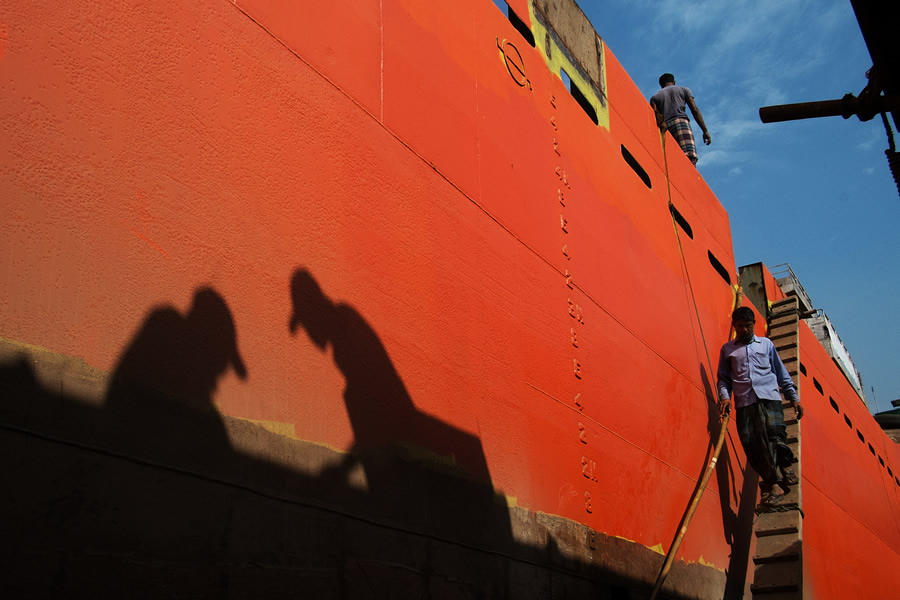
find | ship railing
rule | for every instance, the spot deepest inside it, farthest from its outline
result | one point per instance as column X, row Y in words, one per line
column 790, row 285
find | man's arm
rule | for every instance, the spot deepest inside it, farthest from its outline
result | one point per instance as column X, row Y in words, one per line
column 660, row 119
column 699, row 118
column 784, row 381
column 723, row 382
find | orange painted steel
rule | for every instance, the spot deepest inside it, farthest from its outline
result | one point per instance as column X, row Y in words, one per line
column 523, row 282
column 689, row 514
column 851, row 528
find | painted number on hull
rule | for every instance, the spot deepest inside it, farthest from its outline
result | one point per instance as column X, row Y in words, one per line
column 575, row 311
column 588, row 468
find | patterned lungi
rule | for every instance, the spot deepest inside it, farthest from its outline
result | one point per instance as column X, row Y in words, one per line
column 764, row 438
column 680, row 127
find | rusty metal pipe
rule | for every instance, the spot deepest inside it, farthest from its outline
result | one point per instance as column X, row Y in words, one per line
column 846, row 107
column 806, row 110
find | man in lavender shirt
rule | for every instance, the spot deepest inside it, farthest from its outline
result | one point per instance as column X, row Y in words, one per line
column 750, row 368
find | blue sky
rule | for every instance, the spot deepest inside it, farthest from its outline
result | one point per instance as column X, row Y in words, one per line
column 817, row 193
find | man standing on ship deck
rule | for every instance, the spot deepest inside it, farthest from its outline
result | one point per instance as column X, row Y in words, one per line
column 750, row 367
column 668, row 104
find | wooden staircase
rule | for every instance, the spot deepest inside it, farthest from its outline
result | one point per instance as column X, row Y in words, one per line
column 778, row 560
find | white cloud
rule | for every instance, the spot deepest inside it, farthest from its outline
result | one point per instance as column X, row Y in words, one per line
column 735, row 132
column 872, row 140
column 739, row 56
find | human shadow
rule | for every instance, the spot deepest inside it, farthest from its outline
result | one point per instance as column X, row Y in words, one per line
column 160, row 396
column 737, row 527
column 110, row 488
column 393, row 439
column 133, row 484
column 142, row 490
column 725, row 476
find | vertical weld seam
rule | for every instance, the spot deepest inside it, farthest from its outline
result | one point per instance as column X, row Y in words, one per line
column 381, row 28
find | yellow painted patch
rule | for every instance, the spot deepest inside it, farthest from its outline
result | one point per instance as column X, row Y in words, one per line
column 658, row 549
column 558, row 60
column 286, row 430
column 504, row 500
column 283, row 429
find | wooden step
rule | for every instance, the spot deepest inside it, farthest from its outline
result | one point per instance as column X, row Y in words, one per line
column 787, row 354
column 778, row 572
column 783, row 310
column 794, row 595
column 776, row 577
column 793, row 431
column 784, row 318
column 786, row 342
column 785, row 304
column 777, row 548
column 792, row 496
column 778, row 523
column 787, row 329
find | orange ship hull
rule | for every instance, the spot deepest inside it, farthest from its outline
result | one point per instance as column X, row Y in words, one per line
column 358, row 299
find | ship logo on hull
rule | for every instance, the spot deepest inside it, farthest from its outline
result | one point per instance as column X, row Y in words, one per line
column 515, row 65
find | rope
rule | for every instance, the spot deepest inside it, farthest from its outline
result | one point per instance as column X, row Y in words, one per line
column 761, row 510
column 695, row 500
column 686, row 520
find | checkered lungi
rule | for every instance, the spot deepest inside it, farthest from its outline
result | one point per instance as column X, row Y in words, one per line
column 764, row 438
column 680, row 127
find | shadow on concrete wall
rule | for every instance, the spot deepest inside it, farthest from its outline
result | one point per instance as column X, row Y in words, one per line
column 141, row 494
